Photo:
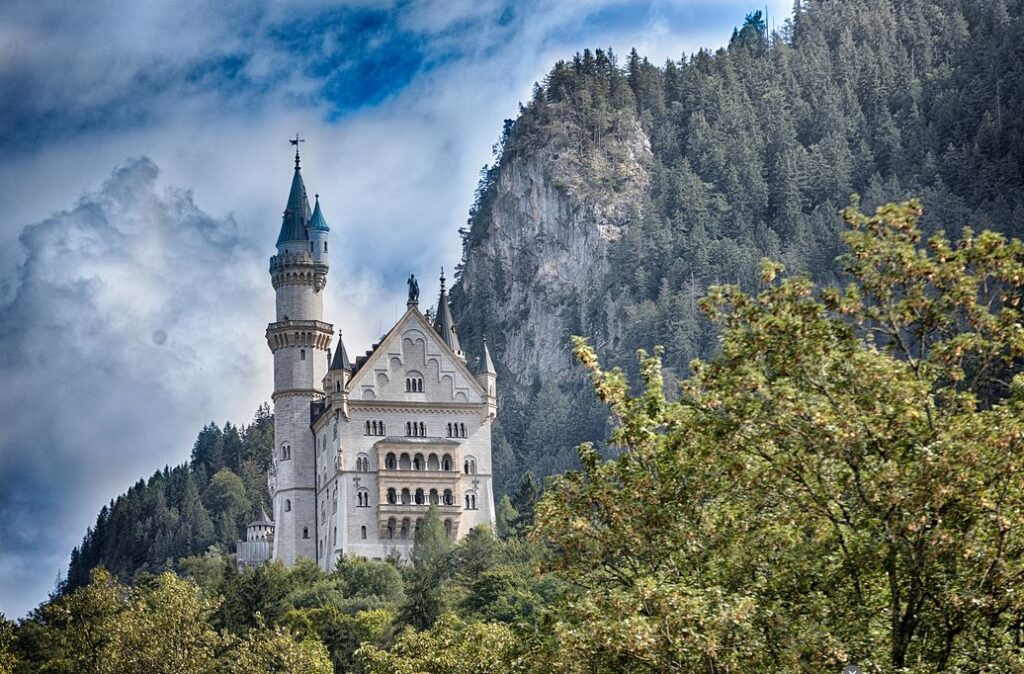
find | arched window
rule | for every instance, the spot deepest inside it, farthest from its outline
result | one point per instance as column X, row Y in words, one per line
column 325, row 246
column 448, row 528
column 406, row 496
column 389, row 461
column 302, row 354
column 433, row 497
column 368, row 428
column 383, row 428
column 448, row 500
column 337, row 385
column 469, row 465
column 287, row 505
column 446, row 462
column 363, row 498
column 305, row 532
column 391, row 527
column 419, row 497
column 403, row 462
column 462, row 430
column 423, row 430
column 405, row 529
column 392, row 496
column 449, row 433
column 363, row 463
column 432, row 462
column 471, row 500
column 418, row 463
column 286, row 452
column 408, row 428
column 362, row 532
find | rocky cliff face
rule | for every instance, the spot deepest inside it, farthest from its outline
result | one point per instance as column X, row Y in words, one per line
column 537, row 269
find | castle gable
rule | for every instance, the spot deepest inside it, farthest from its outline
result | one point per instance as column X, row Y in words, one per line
column 413, row 364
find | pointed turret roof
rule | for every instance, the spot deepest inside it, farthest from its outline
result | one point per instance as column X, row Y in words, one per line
column 296, row 213
column 262, row 519
column 341, row 361
column 444, row 324
column 488, row 363
column 316, row 221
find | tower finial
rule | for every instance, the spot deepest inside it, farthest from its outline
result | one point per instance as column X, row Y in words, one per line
column 295, row 141
column 442, row 279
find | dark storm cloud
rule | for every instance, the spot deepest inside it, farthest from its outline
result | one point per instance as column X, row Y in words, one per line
column 91, row 401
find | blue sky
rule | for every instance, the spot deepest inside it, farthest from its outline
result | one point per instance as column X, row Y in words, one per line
column 145, row 169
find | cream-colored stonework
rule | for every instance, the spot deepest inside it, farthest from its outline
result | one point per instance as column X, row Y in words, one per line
column 362, row 450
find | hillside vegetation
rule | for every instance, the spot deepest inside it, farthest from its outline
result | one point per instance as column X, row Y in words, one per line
column 625, row 189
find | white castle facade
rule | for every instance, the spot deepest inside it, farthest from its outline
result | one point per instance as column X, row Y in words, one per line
column 363, row 448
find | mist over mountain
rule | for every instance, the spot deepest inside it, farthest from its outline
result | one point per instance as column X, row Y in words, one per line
column 625, row 188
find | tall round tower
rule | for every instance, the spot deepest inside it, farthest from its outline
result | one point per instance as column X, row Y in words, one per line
column 299, row 340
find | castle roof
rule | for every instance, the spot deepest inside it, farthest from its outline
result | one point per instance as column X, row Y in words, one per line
column 262, row 520
column 488, row 363
column 340, row 361
column 444, row 324
column 296, row 213
column 316, row 221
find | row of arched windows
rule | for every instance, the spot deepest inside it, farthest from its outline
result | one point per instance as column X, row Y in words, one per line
column 418, row 462
column 415, row 429
column 456, row 430
column 406, row 528
column 414, row 384
column 420, row 497
column 375, row 428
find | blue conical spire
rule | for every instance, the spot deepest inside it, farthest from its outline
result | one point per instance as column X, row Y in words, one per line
column 317, row 220
column 296, row 213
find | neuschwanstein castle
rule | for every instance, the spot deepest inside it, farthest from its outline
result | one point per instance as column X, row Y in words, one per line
column 364, row 447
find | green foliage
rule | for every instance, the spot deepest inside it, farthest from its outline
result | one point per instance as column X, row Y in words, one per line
column 432, row 563
column 264, row 649
column 179, row 512
column 452, row 646
column 8, row 658
column 827, row 491
column 752, row 151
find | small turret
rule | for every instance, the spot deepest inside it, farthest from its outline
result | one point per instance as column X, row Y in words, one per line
column 487, row 376
column 337, row 378
column 317, row 230
column 444, row 324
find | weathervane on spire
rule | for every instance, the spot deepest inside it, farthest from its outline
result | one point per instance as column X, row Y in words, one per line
column 295, row 141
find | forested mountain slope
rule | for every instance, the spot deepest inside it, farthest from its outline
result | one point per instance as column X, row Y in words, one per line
column 183, row 511
column 624, row 190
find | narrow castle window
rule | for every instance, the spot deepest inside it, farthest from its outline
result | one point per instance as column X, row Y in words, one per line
column 368, row 428
column 305, row 532
column 287, row 505
column 325, row 246
column 302, row 354
column 362, row 532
